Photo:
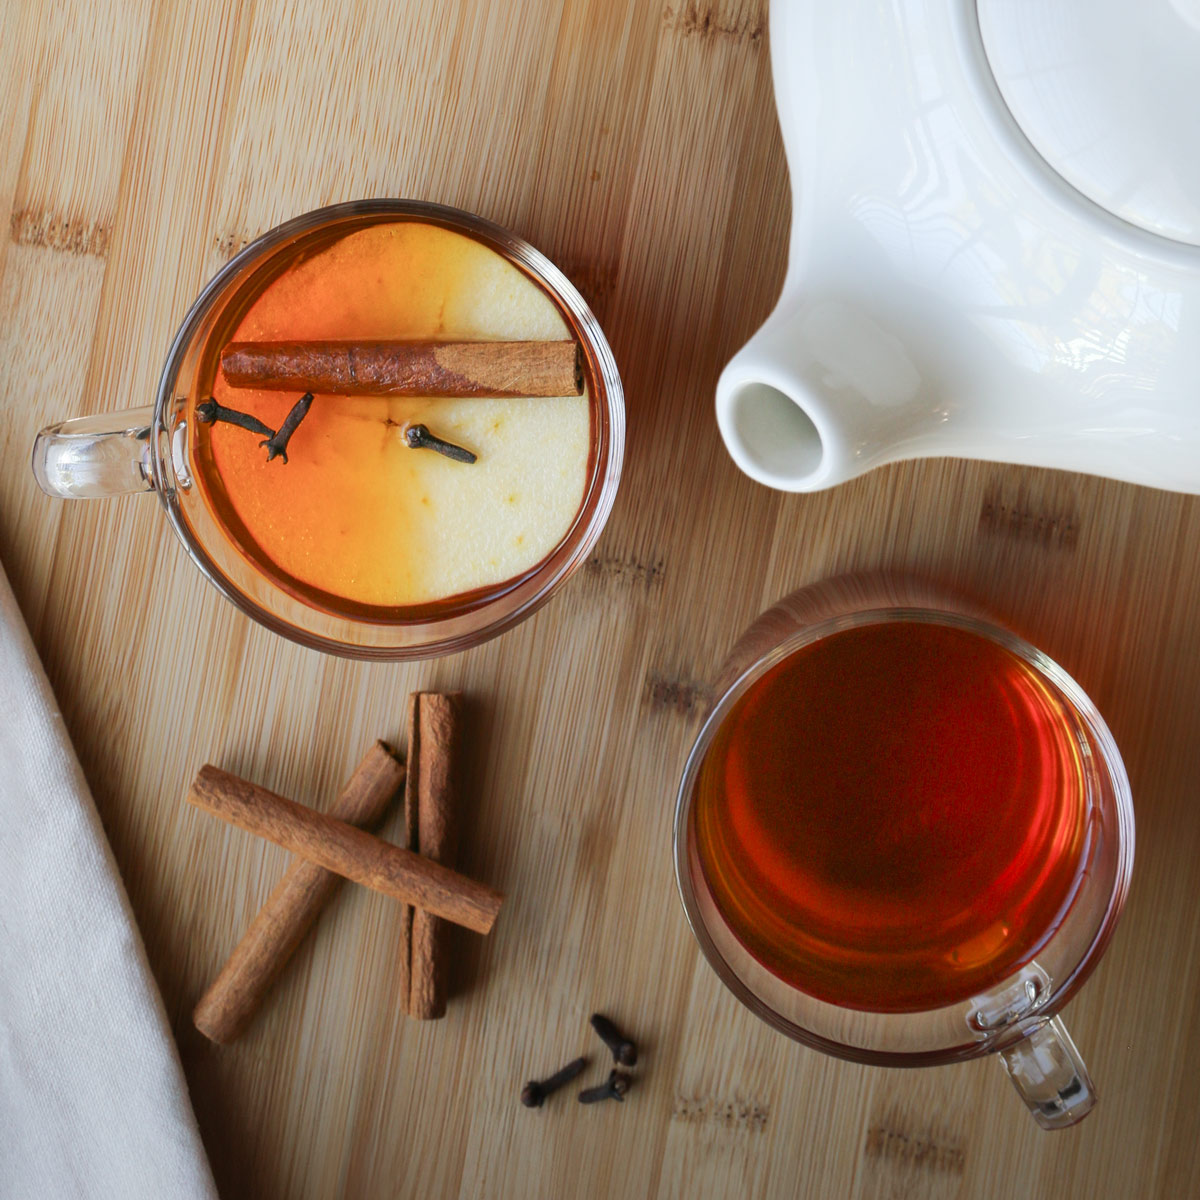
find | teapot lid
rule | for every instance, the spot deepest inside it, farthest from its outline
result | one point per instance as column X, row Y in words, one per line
column 1108, row 93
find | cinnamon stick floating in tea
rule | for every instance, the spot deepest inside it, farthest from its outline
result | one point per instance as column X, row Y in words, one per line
column 235, row 996
column 380, row 368
column 339, row 847
column 430, row 800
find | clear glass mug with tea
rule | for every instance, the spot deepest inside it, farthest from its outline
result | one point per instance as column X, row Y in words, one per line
column 904, row 836
column 371, row 525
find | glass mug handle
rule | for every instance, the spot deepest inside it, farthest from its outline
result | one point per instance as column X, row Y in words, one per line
column 93, row 457
column 1047, row 1070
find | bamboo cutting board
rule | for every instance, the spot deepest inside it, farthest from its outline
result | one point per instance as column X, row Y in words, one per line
column 635, row 143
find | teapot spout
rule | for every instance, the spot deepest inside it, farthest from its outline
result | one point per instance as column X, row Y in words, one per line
column 820, row 394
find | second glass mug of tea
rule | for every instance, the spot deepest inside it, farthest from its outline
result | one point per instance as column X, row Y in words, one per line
column 904, row 836
column 152, row 449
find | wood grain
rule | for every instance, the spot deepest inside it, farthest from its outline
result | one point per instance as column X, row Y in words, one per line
column 635, row 143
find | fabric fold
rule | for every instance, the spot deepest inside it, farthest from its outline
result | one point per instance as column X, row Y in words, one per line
column 93, row 1101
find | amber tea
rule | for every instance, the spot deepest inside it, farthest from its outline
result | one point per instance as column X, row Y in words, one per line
column 894, row 817
column 345, row 507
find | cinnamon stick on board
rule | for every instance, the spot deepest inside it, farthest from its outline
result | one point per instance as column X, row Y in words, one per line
column 235, row 996
column 340, row 847
column 435, row 736
column 411, row 812
column 407, row 368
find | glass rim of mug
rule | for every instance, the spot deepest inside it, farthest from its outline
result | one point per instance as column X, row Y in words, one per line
column 499, row 613
column 1062, row 991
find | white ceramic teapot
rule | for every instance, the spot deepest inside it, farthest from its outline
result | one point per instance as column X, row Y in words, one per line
column 995, row 246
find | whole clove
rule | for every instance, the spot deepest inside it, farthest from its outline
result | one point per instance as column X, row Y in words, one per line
column 418, row 437
column 210, row 412
column 277, row 443
column 534, row 1093
column 623, row 1050
column 613, row 1088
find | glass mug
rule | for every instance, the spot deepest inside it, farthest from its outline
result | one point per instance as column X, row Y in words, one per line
column 150, row 449
column 797, row 914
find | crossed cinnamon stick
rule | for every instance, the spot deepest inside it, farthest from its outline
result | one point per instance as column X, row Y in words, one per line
column 332, row 846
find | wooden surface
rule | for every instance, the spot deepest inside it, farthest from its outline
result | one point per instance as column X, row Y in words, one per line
column 635, row 143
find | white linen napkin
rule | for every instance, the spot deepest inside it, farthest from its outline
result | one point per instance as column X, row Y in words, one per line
column 93, row 1101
